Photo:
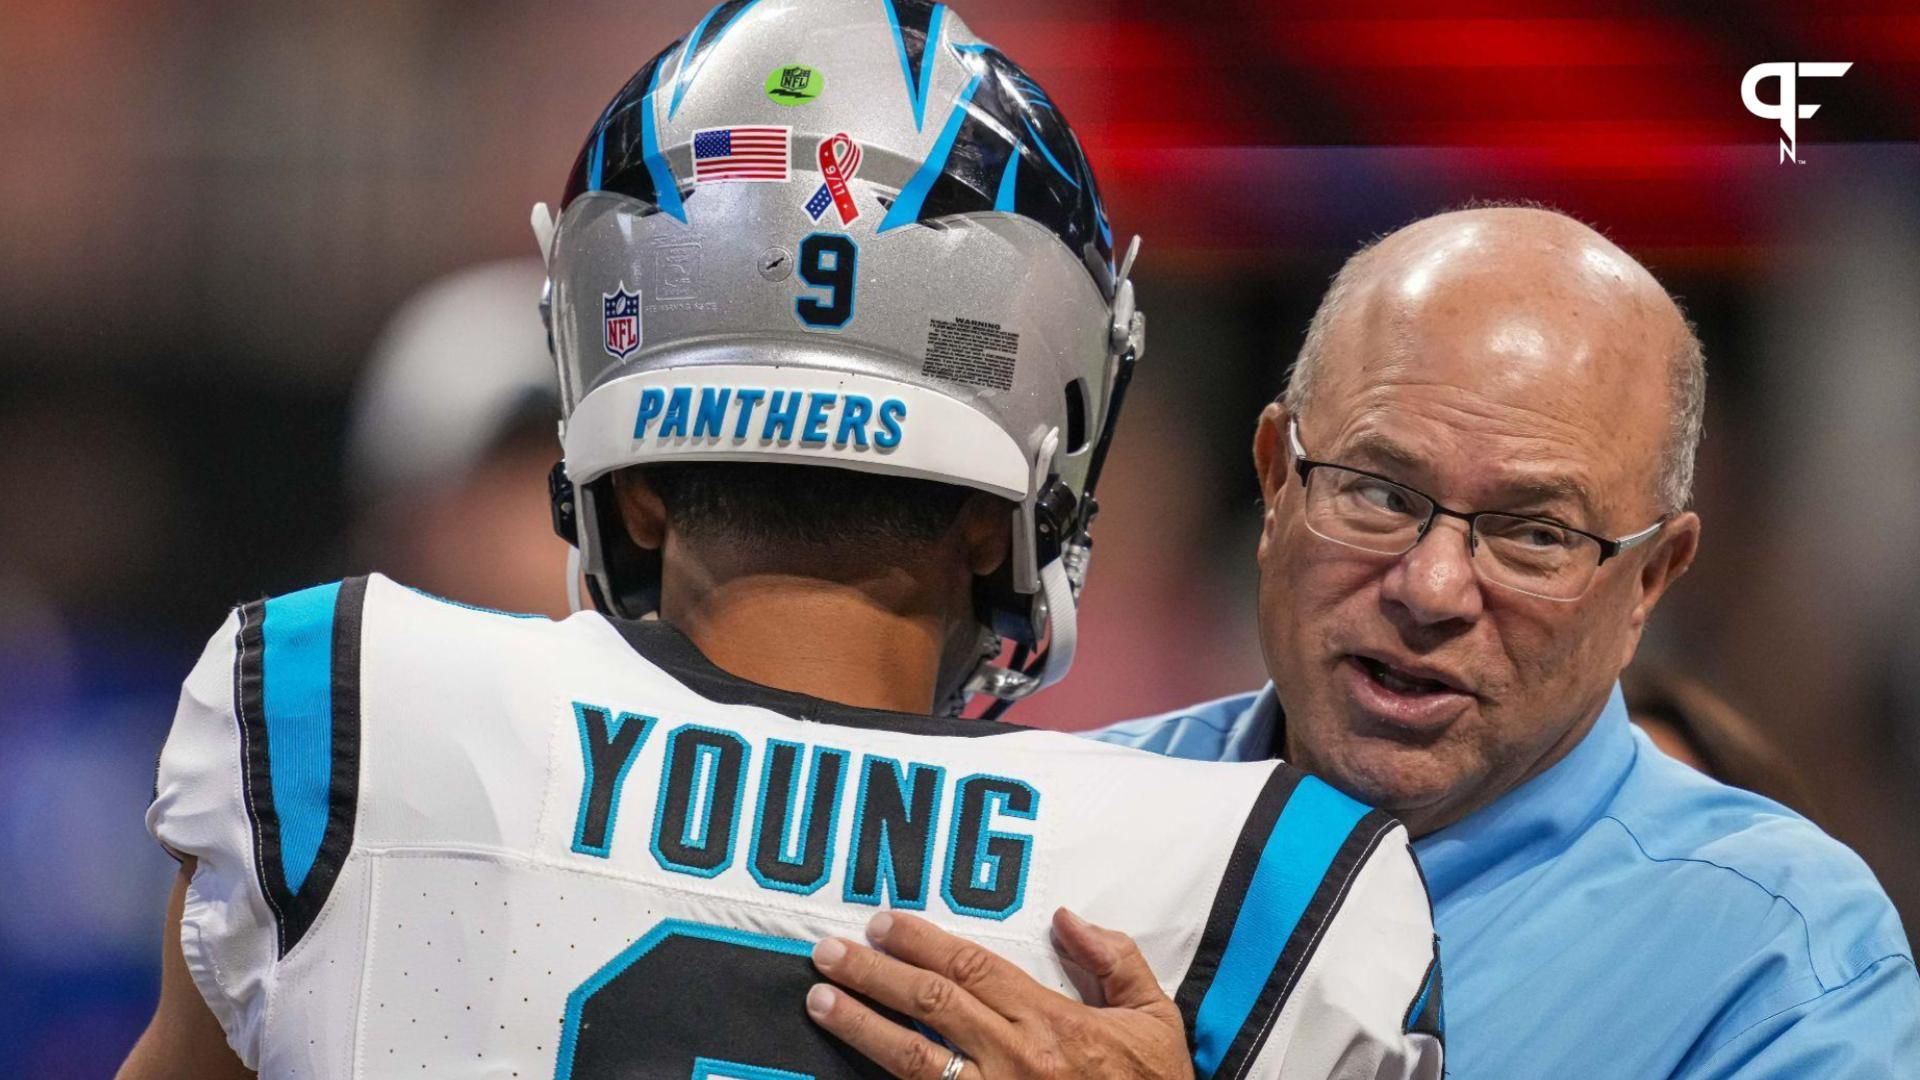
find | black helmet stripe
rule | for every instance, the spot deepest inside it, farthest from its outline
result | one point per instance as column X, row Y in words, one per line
column 974, row 164
column 623, row 155
column 916, row 30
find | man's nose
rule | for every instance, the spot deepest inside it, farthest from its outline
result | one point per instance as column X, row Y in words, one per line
column 1435, row 582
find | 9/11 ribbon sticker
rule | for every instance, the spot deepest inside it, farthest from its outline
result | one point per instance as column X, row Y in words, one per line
column 839, row 160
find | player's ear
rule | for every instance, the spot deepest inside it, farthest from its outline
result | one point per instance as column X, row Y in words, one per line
column 1269, row 452
column 642, row 509
column 986, row 528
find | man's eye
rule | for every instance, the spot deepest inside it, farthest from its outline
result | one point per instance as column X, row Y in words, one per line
column 1384, row 497
column 1534, row 534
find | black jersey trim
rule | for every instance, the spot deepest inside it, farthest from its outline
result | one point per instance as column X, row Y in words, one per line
column 297, row 904
column 1227, row 900
column 673, row 652
column 1427, row 1015
column 1334, row 886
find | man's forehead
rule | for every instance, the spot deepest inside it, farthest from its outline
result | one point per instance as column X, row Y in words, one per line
column 1525, row 475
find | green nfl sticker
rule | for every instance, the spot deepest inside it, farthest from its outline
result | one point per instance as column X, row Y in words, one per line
column 795, row 84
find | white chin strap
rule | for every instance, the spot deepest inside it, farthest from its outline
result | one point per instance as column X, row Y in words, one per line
column 1063, row 632
column 574, row 603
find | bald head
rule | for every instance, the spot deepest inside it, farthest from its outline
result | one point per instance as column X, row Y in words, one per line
column 1533, row 305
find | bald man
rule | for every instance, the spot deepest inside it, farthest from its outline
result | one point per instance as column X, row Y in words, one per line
column 1476, row 491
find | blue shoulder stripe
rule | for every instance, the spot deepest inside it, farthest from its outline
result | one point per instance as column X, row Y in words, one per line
column 297, row 698
column 298, row 692
column 1288, row 874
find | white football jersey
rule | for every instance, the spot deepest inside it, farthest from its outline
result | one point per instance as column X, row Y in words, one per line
column 439, row 841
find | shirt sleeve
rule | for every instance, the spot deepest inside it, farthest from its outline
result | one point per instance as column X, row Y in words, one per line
column 1318, row 957
column 1864, row 1029
column 199, row 811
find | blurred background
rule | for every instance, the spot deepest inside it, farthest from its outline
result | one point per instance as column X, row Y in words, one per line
column 211, row 216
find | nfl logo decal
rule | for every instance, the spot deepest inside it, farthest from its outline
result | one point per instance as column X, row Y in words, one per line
column 622, row 321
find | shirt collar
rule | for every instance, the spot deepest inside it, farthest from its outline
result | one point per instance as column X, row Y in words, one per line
column 1536, row 820
column 1259, row 734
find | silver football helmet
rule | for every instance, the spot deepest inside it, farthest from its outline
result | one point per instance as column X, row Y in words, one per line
column 845, row 233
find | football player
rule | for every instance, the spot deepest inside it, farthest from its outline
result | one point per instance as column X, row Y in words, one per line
column 841, row 346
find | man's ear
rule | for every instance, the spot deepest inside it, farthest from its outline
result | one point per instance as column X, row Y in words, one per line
column 1270, row 455
column 986, row 528
column 1673, row 552
column 641, row 509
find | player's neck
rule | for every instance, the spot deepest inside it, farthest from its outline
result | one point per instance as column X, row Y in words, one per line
column 875, row 642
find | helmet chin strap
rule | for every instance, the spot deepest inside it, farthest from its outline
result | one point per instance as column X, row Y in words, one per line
column 574, row 604
column 1063, row 633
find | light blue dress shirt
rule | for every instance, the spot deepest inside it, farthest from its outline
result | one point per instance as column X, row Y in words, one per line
column 1621, row 915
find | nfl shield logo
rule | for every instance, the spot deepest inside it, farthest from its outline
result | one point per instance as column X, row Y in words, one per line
column 622, row 321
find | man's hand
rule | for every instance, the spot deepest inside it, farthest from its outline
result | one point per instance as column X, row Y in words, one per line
column 1008, row 1026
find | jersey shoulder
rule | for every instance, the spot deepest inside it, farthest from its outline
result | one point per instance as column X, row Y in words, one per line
column 262, row 769
column 1322, row 912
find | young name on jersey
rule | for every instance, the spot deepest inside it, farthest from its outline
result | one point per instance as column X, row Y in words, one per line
column 700, row 824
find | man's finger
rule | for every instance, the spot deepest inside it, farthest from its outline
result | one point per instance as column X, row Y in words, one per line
column 1111, row 957
column 1000, row 985
column 929, row 997
column 905, row 1054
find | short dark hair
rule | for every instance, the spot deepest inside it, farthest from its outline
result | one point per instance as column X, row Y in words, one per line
column 814, row 506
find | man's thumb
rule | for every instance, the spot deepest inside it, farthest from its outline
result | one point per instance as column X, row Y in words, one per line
column 1111, row 957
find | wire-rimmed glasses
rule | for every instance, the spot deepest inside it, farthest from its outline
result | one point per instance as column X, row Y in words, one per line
column 1533, row 555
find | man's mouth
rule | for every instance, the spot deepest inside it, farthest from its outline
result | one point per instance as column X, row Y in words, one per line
column 1399, row 681
column 1411, row 699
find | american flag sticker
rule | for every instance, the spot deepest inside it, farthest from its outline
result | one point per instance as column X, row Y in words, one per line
column 742, row 154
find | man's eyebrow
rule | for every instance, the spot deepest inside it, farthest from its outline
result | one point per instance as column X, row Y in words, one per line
column 1519, row 493
column 1535, row 491
column 1378, row 449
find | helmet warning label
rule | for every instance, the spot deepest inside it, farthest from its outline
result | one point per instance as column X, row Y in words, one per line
column 971, row 352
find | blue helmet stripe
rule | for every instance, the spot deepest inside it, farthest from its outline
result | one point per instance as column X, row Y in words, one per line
column 906, row 209
column 689, row 61
column 906, row 63
column 916, row 86
column 1051, row 160
column 596, row 159
column 1003, row 200
column 666, row 187
column 926, row 65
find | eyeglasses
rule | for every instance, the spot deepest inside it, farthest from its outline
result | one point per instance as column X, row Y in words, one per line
column 1536, row 556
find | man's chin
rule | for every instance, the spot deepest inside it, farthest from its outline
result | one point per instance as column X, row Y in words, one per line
column 1401, row 779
